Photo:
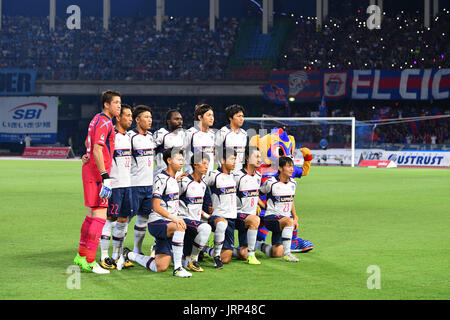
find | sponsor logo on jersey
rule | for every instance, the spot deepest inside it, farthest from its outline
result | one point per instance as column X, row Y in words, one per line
column 196, row 200
column 228, row 190
column 205, row 149
column 144, row 152
column 122, row 153
column 251, row 193
column 285, row 198
column 173, row 196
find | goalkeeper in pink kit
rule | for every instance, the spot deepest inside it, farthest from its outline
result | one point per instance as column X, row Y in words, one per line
column 96, row 181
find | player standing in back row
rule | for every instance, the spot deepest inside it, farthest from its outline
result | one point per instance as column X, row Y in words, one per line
column 120, row 204
column 170, row 137
column 232, row 135
column 200, row 138
column 142, row 148
column 96, row 181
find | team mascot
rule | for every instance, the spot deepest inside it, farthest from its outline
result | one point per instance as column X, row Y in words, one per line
column 272, row 146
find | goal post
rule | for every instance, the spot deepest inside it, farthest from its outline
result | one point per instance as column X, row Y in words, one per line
column 290, row 121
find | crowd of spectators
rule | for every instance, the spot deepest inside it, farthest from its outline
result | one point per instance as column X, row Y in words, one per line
column 131, row 50
column 345, row 42
column 186, row 50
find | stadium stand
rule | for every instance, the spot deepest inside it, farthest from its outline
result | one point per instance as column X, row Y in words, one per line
column 346, row 43
column 131, row 50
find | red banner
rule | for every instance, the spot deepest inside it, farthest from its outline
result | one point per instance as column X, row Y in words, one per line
column 46, row 152
column 377, row 164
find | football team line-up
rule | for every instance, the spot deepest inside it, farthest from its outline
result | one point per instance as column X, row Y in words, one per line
column 129, row 173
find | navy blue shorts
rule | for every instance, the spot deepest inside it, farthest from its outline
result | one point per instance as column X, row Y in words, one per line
column 190, row 234
column 120, row 203
column 142, row 200
column 240, row 227
column 158, row 229
column 228, row 243
column 272, row 223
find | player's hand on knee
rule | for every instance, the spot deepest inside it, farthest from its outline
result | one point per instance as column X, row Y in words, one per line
column 105, row 192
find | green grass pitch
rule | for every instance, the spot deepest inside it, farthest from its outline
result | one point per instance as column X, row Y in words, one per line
column 395, row 219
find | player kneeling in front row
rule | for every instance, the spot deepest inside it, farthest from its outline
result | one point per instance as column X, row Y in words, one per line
column 192, row 192
column 222, row 220
column 164, row 223
column 248, row 181
column 280, row 192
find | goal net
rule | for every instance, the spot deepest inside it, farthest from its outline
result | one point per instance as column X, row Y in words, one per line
column 332, row 140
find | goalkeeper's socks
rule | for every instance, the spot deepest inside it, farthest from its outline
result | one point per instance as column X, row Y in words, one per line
column 83, row 250
column 95, row 232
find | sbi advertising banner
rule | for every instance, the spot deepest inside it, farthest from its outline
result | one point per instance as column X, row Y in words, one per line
column 35, row 116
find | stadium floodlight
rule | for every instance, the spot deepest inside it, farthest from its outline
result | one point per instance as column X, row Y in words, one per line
column 266, row 121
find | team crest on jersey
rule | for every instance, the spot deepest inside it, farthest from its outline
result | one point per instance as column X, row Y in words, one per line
column 102, row 137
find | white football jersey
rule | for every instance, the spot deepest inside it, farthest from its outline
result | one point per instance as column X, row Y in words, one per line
column 142, row 151
column 223, row 193
column 121, row 164
column 198, row 140
column 227, row 138
column 191, row 197
column 165, row 140
column 280, row 196
column 166, row 189
column 247, row 187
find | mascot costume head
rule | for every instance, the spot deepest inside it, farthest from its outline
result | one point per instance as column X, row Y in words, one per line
column 278, row 144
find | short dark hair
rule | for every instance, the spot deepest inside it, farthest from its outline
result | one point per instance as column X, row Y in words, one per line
column 139, row 109
column 108, row 95
column 125, row 106
column 169, row 114
column 198, row 156
column 247, row 153
column 230, row 111
column 201, row 109
column 283, row 161
column 223, row 153
column 169, row 153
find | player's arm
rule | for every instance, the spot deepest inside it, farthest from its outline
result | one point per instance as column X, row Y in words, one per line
column 166, row 214
column 294, row 216
column 307, row 158
column 105, row 191
column 188, row 153
column 218, row 145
